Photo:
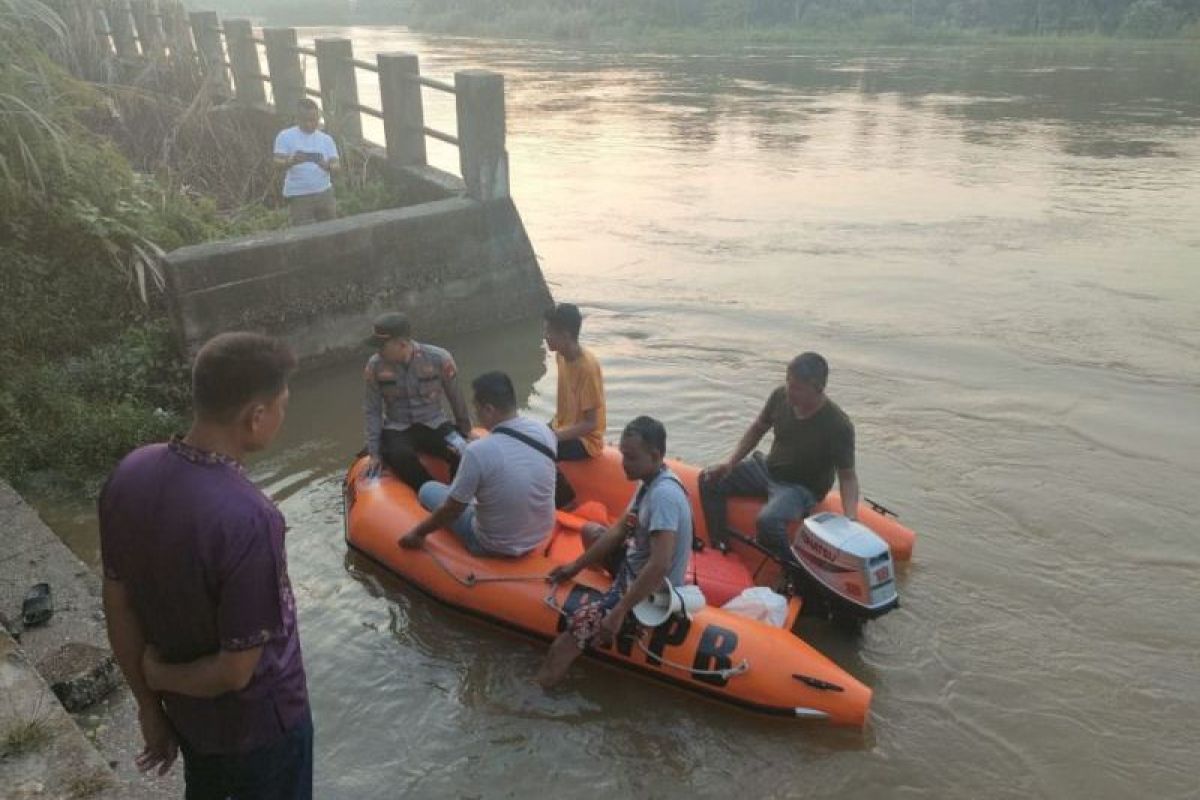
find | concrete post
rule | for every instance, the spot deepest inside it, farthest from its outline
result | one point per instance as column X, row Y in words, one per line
column 179, row 38
column 243, row 58
column 206, row 30
column 104, row 30
column 145, row 20
column 283, row 62
column 481, row 131
column 121, row 25
column 403, row 112
column 339, row 89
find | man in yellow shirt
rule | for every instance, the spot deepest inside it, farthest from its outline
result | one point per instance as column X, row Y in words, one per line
column 579, row 420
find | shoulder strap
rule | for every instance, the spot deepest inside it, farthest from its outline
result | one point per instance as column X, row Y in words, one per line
column 528, row 440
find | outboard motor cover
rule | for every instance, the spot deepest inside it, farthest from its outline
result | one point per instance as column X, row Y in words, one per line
column 851, row 565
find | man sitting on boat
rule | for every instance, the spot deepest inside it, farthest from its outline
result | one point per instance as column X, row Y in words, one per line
column 813, row 439
column 656, row 535
column 406, row 384
column 509, row 475
column 579, row 418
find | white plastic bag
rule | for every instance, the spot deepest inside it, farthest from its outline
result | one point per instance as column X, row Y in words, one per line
column 760, row 603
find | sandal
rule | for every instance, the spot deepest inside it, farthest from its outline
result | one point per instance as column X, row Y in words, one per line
column 38, row 606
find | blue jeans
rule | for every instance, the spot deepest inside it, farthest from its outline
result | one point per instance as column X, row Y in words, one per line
column 432, row 494
column 278, row 771
column 786, row 502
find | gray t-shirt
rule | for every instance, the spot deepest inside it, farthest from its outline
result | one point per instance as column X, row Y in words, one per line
column 664, row 507
column 512, row 486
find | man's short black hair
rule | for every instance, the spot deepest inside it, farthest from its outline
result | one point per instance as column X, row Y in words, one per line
column 495, row 389
column 812, row 368
column 565, row 317
column 650, row 431
column 234, row 369
column 307, row 104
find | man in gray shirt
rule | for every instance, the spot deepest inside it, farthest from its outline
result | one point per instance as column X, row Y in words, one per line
column 656, row 532
column 406, row 384
column 509, row 475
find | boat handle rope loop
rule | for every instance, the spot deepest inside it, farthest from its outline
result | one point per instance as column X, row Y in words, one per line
column 726, row 673
column 472, row 579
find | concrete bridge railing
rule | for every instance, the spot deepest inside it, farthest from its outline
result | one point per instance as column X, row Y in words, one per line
column 457, row 260
column 229, row 56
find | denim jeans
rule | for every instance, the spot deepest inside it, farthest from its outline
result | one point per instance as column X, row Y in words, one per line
column 432, row 495
column 279, row 771
column 786, row 502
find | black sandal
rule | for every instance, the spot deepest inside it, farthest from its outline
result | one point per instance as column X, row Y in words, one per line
column 38, row 606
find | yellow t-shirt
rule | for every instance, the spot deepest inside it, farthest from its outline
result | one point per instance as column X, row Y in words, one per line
column 581, row 387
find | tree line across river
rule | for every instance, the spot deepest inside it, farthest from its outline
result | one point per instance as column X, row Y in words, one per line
column 1141, row 18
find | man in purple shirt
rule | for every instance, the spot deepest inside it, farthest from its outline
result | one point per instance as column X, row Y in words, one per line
column 200, row 611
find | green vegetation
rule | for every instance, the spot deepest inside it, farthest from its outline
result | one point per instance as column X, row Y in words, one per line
column 96, row 180
column 683, row 22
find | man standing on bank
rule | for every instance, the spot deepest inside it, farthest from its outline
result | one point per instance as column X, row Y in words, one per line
column 651, row 541
column 406, row 384
column 813, row 439
column 310, row 157
column 199, row 607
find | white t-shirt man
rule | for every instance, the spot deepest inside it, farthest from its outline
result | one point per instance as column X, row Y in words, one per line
column 307, row 177
column 512, row 485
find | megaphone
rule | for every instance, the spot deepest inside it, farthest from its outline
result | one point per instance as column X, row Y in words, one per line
column 666, row 601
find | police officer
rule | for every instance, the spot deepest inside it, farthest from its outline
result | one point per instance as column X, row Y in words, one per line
column 406, row 382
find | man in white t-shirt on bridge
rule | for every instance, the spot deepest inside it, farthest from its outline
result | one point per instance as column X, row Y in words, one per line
column 509, row 475
column 310, row 156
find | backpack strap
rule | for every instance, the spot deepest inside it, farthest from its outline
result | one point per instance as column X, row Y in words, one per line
column 527, row 440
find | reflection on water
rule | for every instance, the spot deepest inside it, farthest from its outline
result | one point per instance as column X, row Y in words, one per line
column 997, row 250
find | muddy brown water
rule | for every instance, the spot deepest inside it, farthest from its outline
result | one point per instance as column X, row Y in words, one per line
column 997, row 248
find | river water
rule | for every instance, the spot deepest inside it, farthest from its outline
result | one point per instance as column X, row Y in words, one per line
column 996, row 248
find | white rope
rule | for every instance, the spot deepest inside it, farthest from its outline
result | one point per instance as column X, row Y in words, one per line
column 726, row 673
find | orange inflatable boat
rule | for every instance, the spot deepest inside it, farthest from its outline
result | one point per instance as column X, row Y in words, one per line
column 716, row 653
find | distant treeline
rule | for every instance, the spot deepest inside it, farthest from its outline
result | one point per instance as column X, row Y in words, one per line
column 580, row 18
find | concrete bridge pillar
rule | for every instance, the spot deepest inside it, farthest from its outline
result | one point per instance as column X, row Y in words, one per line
column 120, row 25
column 179, row 38
column 481, row 132
column 243, row 57
column 339, row 88
column 149, row 32
column 403, row 112
column 206, row 30
column 283, row 62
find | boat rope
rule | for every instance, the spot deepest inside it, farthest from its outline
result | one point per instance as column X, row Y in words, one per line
column 724, row 674
column 471, row 579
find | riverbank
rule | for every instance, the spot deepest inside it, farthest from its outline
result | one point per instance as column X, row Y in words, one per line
column 106, row 168
column 62, row 666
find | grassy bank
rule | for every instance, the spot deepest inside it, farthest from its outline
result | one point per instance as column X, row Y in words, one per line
column 96, row 180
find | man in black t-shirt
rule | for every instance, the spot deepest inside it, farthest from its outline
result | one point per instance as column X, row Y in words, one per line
column 813, row 441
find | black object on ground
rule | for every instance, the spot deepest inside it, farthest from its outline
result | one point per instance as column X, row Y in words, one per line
column 38, row 606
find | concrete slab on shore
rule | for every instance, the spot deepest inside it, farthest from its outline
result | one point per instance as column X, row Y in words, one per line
column 43, row 754
column 71, row 649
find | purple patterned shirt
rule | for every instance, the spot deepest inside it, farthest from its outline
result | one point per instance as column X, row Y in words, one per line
column 200, row 551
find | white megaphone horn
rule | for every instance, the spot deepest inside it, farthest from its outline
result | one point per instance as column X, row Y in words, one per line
column 666, row 601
